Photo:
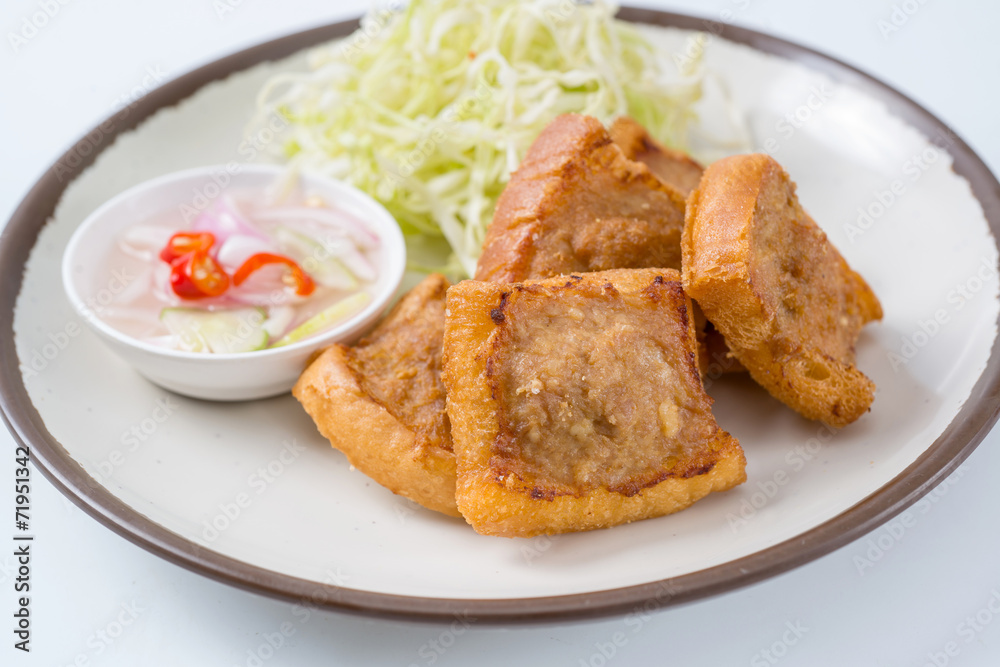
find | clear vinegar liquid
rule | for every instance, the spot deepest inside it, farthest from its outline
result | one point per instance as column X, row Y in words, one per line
column 134, row 289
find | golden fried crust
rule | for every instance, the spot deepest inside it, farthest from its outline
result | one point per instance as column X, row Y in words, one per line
column 576, row 403
column 577, row 204
column 715, row 359
column 767, row 277
column 382, row 402
column 673, row 167
column 679, row 171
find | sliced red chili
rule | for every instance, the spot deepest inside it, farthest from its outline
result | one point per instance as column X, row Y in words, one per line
column 197, row 275
column 206, row 273
column 185, row 243
column 180, row 281
column 304, row 285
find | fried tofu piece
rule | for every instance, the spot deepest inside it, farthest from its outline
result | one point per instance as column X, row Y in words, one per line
column 678, row 170
column 382, row 402
column 715, row 359
column 576, row 403
column 673, row 167
column 787, row 303
column 577, row 204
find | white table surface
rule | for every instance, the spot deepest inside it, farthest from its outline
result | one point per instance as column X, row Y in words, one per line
column 916, row 603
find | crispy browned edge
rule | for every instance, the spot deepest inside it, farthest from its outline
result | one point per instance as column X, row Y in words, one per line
column 675, row 168
column 717, row 271
column 680, row 171
column 715, row 359
column 373, row 440
column 509, row 246
column 495, row 508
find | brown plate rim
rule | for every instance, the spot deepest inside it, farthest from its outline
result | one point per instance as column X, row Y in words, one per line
column 957, row 441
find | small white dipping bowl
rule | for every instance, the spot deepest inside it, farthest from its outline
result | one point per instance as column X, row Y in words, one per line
column 222, row 377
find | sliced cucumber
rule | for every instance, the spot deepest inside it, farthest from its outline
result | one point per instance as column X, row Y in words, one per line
column 316, row 259
column 219, row 331
column 335, row 314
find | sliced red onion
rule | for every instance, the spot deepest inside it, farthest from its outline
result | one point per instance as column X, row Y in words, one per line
column 145, row 241
column 138, row 287
column 265, row 288
column 224, row 219
column 238, row 248
column 350, row 256
column 336, row 246
column 161, row 283
column 354, row 228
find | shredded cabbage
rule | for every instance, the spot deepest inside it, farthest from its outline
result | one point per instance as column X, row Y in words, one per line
column 430, row 108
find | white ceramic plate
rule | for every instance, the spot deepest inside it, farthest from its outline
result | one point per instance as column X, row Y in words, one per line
column 251, row 494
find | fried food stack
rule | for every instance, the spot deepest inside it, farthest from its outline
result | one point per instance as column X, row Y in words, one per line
column 560, row 390
column 576, row 403
column 382, row 402
column 577, row 204
column 788, row 305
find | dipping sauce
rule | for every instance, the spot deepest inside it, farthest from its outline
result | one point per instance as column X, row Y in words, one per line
column 249, row 272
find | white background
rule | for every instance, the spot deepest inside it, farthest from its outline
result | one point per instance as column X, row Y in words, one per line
column 907, row 608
